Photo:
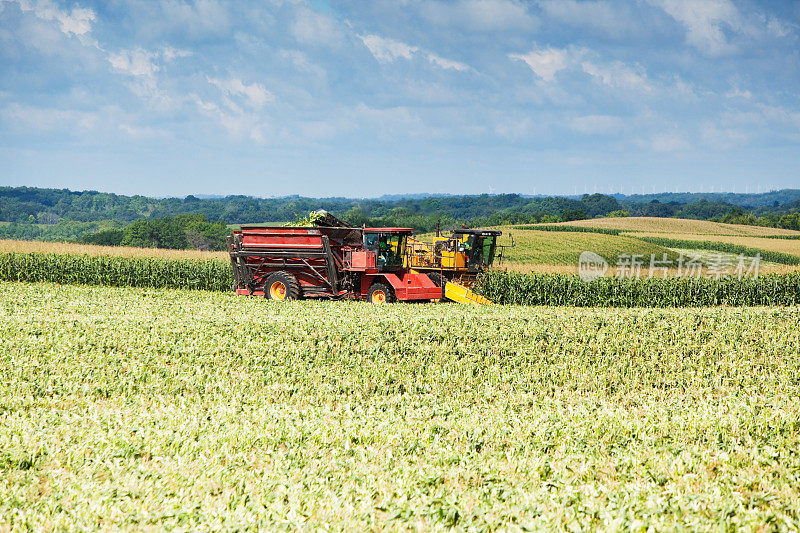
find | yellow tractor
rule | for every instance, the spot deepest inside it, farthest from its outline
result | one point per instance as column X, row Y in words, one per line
column 453, row 262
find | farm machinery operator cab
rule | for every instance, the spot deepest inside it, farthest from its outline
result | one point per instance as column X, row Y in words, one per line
column 388, row 245
column 477, row 245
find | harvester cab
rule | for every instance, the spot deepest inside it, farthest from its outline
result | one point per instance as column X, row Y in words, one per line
column 388, row 245
column 477, row 246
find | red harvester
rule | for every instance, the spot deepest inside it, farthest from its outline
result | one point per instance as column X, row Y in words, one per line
column 334, row 262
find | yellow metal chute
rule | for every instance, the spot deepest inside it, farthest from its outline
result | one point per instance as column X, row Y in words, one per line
column 459, row 293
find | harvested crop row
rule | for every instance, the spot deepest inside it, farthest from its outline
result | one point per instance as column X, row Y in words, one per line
column 564, row 289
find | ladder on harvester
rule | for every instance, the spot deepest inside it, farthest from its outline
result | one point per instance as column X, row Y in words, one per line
column 459, row 293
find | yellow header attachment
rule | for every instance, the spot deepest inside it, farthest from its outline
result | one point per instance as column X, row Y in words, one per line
column 459, row 293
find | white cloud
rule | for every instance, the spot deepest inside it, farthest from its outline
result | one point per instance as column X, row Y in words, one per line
column 481, row 15
column 596, row 124
column 47, row 119
column 447, row 64
column 75, row 21
column 255, row 93
column 169, row 53
column 723, row 138
column 235, row 122
column 669, row 142
column 136, row 62
column 194, row 19
column 704, row 21
column 314, row 28
column 600, row 15
column 141, row 62
column 618, row 75
column 302, row 63
column 736, row 92
column 387, row 50
column 546, row 63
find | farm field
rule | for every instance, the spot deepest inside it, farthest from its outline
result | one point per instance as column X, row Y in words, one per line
column 8, row 245
column 564, row 248
column 788, row 246
column 676, row 225
column 151, row 409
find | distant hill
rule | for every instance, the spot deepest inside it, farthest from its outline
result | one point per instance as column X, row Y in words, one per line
column 62, row 214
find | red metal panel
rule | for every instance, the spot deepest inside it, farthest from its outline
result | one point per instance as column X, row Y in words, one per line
column 363, row 260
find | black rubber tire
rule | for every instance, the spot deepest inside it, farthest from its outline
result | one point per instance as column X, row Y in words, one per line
column 439, row 280
column 387, row 291
column 290, row 284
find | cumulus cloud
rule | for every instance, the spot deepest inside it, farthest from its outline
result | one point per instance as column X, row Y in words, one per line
column 480, row 15
column 235, row 122
column 314, row 28
column 669, row 142
column 704, row 22
column 600, row 15
column 255, row 93
column 618, row 75
column 546, row 63
column 136, row 62
column 596, row 124
column 388, row 50
column 74, row 21
column 141, row 62
column 709, row 23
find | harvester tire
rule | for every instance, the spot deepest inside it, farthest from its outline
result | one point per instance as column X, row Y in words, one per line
column 282, row 285
column 380, row 293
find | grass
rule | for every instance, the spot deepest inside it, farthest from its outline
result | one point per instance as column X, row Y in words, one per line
column 155, row 409
column 676, row 225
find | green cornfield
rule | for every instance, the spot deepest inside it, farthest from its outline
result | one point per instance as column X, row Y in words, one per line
column 159, row 409
column 114, row 271
column 570, row 290
column 500, row 287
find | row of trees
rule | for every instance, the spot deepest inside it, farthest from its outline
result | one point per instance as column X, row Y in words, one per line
column 178, row 232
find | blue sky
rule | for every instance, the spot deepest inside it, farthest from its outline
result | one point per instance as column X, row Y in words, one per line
column 363, row 98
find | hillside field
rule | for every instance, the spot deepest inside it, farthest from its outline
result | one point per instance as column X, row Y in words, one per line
column 151, row 409
column 554, row 252
column 677, row 225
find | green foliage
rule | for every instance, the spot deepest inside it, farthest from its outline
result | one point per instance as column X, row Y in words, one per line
column 725, row 247
column 570, row 290
column 106, row 237
column 85, row 269
column 180, row 233
column 574, row 214
column 64, row 230
column 621, row 213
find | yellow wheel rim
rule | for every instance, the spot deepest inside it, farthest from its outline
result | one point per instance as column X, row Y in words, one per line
column 277, row 291
column 378, row 297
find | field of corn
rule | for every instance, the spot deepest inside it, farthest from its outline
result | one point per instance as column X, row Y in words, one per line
column 500, row 287
column 154, row 408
